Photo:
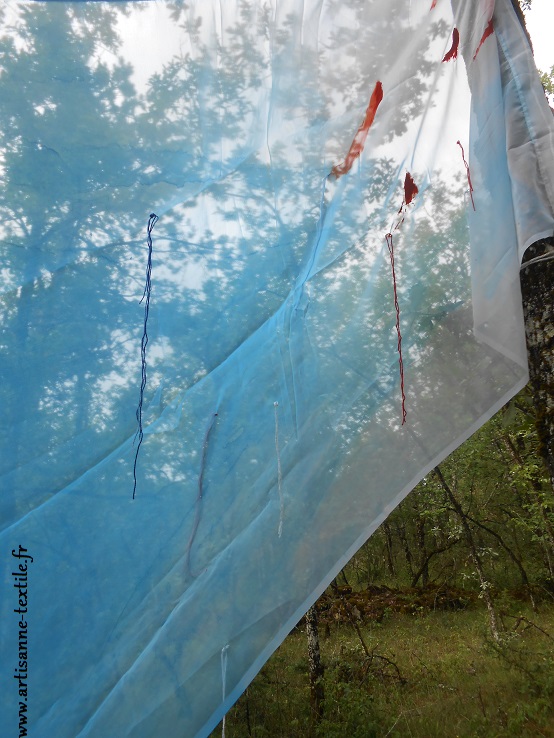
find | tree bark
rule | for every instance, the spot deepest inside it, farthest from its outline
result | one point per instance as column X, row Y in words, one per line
column 389, row 548
column 423, row 556
column 401, row 531
column 537, row 287
column 315, row 666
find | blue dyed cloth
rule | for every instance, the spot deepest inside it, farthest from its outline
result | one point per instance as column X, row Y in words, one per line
column 271, row 411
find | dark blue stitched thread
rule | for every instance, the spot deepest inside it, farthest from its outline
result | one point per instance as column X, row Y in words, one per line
column 144, row 343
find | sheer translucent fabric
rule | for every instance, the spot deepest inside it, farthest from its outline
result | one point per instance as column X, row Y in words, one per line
column 343, row 191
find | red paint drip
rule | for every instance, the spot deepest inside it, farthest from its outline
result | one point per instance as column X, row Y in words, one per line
column 433, row 4
column 468, row 174
column 357, row 145
column 390, row 246
column 489, row 30
column 452, row 53
column 410, row 191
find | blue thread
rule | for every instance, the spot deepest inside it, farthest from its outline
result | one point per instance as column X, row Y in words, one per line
column 200, row 492
column 152, row 220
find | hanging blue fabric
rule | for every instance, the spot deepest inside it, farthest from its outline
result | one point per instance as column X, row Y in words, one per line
column 280, row 143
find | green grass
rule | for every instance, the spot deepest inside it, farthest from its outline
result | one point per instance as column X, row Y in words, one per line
column 446, row 678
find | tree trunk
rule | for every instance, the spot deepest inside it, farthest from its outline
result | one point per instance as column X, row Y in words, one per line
column 423, row 556
column 315, row 666
column 485, row 587
column 537, row 287
column 401, row 531
column 389, row 548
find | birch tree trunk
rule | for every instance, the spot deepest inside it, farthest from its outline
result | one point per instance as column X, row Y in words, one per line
column 537, row 286
column 315, row 666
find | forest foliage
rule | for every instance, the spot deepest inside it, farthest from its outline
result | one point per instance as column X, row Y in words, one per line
column 443, row 622
column 497, row 484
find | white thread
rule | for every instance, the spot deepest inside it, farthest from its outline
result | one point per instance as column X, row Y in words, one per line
column 279, row 477
column 223, row 681
column 538, row 259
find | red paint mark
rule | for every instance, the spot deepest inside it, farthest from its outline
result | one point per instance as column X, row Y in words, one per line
column 357, row 145
column 452, row 53
column 390, row 246
column 410, row 189
column 433, row 4
column 489, row 30
column 468, row 174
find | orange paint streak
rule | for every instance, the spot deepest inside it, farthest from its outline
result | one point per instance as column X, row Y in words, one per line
column 489, row 30
column 357, row 145
column 452, row 53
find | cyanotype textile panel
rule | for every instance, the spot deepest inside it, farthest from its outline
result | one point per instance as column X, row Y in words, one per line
column 343, row 193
